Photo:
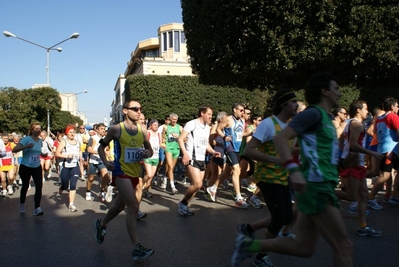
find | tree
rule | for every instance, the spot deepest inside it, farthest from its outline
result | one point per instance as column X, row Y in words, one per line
column 265, row 44
column 18, row 108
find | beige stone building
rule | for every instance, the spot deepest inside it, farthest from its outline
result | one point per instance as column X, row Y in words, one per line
column 162, row 55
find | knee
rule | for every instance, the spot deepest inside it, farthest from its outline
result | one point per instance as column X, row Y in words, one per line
column 198, row 186
column 131, row 209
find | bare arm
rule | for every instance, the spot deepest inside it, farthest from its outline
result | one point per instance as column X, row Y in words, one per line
column 252, row 152
column 180, row 140
column 223, row 124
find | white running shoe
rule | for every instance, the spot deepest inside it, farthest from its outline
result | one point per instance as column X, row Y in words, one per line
column 108, row 196
column 88, row 196
column 10, row 190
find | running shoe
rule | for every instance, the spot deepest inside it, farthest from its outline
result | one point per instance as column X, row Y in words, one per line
column 10, row 190
column 184, row 210
column 264, row 262
column 108, row 195
column 353, row 210
column 174, row 191
column 38, row 212
column 226, row 184
column 240, row 203
column 255, row 202
column 368, row 231
column 88, row 196
column 100, row 231
column 212, row 193
column 240, row 253
column 391, row 200
column 372, row 203
column 141, row 215
column 82, row 178
column 288, row 234
column 164, row 183
column 102, row 196
column 22, row 208
column 72, row 208
column 147, row 194
column 251, row 188
column 4, row 193
column 140, row 252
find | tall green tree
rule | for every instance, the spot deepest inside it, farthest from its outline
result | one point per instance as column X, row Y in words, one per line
column 268, row 44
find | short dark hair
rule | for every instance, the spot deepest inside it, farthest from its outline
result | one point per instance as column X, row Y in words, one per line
column 354, row 106
column 236, row 105
column 203, row 109
column 388, row 103
column 316, row 83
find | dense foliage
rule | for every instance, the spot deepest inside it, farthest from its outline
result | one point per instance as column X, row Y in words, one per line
column 266, row 44
column 18, row 108
column 162, row 95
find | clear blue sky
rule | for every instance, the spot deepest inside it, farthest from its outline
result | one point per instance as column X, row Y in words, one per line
column 109, row 32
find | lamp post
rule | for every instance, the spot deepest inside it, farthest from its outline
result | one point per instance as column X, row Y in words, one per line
column 59, row 49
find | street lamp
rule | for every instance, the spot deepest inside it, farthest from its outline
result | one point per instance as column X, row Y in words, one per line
column 59, row 49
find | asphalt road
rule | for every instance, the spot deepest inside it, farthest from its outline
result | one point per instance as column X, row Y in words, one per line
column 61, row 238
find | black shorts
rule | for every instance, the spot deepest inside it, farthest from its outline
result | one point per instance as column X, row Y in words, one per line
column 219, row 161
column 233, row 158
column 199, row 164
column 389, row 161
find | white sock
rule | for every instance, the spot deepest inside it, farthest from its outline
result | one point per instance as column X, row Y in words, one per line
column 172, row 183
column 238, row 196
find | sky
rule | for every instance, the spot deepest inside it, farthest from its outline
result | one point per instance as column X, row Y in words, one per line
column 109, row 32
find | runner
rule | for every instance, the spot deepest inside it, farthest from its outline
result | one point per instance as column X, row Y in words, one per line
column 314, row 182
column 129, row 138
column 68, row 151
column 196, row 132
column 30, row 166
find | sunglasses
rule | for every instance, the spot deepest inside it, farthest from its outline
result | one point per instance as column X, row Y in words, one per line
column 135, row 109
column 240, row 110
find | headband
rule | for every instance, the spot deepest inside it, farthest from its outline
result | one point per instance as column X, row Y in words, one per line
column 69, row 128
column 285, row 98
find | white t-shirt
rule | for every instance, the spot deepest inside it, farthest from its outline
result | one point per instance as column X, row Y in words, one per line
column 266, row 130
column 197, row 139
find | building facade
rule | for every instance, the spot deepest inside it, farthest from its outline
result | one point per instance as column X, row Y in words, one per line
column 69, row 102
column 164, row 55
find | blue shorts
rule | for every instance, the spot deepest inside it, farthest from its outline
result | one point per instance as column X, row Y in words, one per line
column 93, row 167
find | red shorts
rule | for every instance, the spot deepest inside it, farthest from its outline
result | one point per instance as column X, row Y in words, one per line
column 46, row 157
column 358, row 172
column 133, row 180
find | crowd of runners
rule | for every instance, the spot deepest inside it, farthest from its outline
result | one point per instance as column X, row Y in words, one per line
column 300, row 161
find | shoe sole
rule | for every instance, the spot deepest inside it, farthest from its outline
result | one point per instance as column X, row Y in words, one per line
column 364, row 235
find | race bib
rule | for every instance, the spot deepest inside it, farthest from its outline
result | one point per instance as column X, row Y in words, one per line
column 133, row 155
column 34, row 160
column 239, row 137
column 202, row 142
column 155, row 149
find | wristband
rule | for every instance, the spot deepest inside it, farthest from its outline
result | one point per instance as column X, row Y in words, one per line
column 294, row 169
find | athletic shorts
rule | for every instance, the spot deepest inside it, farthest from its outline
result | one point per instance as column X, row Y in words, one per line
column 152, row 162
column 388, row 162
column 317, row 197
column 219, row 161
column 85, row 155
column 46, row 157
column 133, row 180
column 233, row 158
column 161, row 154
column 6, row 168
column 199, row 164
column 94, row 167
column 358, row 172
column 175, row 152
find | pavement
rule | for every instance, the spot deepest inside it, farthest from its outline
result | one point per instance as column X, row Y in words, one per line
column 62, row 238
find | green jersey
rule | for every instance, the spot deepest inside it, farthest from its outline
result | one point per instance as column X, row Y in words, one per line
column 319, row 151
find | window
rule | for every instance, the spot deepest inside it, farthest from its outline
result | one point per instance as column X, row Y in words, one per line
column 177, row 41
column 183, row 38
column 165, row 42
column 170, row 37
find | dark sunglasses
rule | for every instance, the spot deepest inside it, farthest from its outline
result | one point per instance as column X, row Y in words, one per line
column 135, row 109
